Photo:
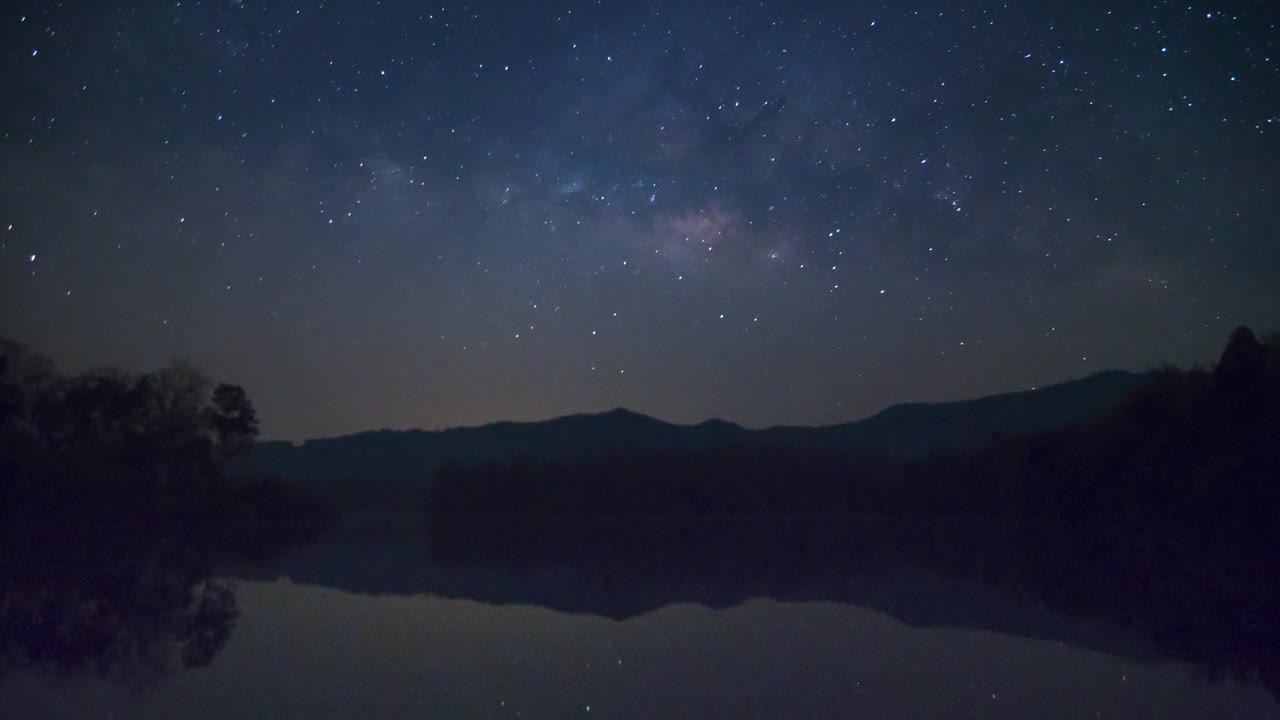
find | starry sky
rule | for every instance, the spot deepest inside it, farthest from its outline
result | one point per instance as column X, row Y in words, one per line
column 395, row 214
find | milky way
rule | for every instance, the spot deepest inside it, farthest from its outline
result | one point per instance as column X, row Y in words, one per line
column 392, row 215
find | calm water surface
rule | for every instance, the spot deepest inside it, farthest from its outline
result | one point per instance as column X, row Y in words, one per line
column 307, row 651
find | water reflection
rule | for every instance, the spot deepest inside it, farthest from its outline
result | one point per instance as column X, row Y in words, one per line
column 389, row 620
column 128, row 611
column 379, row 623
column 304, row 651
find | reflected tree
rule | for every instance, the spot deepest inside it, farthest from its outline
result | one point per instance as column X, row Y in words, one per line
column 130, row 614
column 113, row 507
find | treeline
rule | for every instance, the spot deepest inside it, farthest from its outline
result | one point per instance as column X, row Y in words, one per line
column 1163, row 515
column 1166, row 514
column 734, row 479
column 1193, row 442
column 114, row 509
column 130, row 452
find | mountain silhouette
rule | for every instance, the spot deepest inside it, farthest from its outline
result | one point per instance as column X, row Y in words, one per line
column 389, row 468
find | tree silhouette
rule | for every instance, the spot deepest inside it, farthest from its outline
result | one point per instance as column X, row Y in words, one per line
column 113, row 506
column 233, row 421
column 128, row 610
column 1242, row 362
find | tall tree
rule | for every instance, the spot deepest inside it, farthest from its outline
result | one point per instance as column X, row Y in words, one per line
column 232, row 421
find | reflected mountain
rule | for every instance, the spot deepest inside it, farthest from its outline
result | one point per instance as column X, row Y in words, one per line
column 925, row 572
column 908, row 568
column 1146, row 532
column 1158, row 515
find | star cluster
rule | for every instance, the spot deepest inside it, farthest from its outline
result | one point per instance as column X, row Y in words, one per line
column 391, row 214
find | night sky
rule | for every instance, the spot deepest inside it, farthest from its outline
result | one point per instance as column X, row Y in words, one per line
column 384, row 214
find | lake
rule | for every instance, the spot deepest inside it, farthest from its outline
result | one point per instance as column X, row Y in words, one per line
column 372, row 627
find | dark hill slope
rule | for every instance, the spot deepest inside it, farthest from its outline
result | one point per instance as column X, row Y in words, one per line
column 915, row 429
column 388, row 468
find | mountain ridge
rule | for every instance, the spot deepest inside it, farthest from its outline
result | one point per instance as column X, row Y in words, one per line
column 389, row 468
column 629, row 413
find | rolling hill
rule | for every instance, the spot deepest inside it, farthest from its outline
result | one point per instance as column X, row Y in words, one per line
column 391, row 468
